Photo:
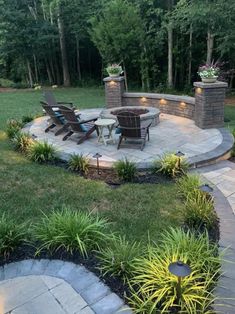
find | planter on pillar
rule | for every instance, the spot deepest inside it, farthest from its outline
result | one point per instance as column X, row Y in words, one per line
column 209, row 104
column 114, row 89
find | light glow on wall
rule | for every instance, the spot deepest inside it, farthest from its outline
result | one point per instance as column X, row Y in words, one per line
column 112, row 83
column 163, row 102
column 143, row 99
column 182, row 104
column 198, row 90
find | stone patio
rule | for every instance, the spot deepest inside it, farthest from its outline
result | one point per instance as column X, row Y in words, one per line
column 171, row 135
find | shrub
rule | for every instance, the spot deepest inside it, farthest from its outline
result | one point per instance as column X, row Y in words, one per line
column 198, row 212
column 27, row 119
column 71, row 231
column 13, row 127
column 22, row 142
column 79, row 163
column 42, row 152
column 171, row 165
column 119, row 257
column 6, row 83
column 126, row 170
column 188, row 185
column 157, row 287
column 12, row 234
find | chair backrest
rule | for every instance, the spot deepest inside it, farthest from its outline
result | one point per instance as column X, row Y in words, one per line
column 50, row 98
column 71, row 118
column 51, row 113
column 130, row 124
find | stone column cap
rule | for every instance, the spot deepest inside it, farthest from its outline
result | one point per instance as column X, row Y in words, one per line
column 217, row 84
column 115, row 79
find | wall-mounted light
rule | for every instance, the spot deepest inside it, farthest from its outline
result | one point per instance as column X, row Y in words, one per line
column 112, row 83
column 182, row 104
column 163, row 101
column 198, row 90
column 143, row 99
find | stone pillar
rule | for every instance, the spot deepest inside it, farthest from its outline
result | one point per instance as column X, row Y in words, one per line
column 209, row 104
column 114, row 89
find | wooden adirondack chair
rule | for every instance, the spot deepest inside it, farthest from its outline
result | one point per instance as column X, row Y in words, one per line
column 132, row 128
column 56, row 118
column 51, row 101
column 83, row 127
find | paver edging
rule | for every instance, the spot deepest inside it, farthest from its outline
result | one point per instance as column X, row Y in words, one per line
column 77, row 276
column 226, row 283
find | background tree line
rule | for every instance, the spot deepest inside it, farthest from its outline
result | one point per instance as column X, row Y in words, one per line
column 159, row 42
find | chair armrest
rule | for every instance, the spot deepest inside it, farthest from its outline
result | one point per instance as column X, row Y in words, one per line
column 66, row 103
column 90, row 120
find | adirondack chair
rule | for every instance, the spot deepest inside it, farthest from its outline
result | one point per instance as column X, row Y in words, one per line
column 56, row 119
column 83, row 127
column 132, row 128
column 51, row 101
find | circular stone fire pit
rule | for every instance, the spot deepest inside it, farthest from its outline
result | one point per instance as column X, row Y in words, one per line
column 150, row 114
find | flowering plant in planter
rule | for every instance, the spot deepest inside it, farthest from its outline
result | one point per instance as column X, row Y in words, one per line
column 209, row 72
column 114, row 69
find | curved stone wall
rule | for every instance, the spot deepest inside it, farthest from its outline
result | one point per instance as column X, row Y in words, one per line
column 182, row 106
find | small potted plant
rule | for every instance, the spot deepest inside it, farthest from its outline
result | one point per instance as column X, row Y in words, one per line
column 114, row 70
column 209, row 73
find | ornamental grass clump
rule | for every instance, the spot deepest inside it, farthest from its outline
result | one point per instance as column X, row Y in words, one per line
column 188, row 185
column 154, row 288
column 13, row 127
column 42, row 152
column 22, row 142
column 79, row 163
column 71, row 231
column 118, row 258
column 126, row 170
column 12, row 235
column 171, row 165
column 198, row 212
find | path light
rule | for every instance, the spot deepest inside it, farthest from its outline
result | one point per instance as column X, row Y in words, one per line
column 97, row 156
column 179, row 154
column 206, row 188
column 180, row 270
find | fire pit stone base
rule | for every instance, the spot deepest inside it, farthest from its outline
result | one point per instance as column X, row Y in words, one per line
column 146, row 113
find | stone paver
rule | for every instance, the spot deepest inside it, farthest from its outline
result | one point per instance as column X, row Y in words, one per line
column 170, row 135
column 222, row 177
column 54, row 287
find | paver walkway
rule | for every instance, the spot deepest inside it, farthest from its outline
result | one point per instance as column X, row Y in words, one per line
column 55, row 287
column 222, row 176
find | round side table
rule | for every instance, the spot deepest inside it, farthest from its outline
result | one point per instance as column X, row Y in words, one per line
column 103, row 124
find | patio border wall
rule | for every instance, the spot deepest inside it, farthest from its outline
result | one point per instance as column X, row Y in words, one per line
column 206, row 108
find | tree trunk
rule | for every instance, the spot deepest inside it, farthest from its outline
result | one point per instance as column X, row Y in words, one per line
column 125, row 76
column 170, row 56
column 78, row 59
column 52, row 70
column 65, row 66
column 190, row 54
column 30, row 74
column 35, row 68
column 48, row 72
column 210, row 46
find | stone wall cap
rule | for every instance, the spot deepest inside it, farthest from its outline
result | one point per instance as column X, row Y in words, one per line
column 115, row 79
column 217, row 84
column 178, row 98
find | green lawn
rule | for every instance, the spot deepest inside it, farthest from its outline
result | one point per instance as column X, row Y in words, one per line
column 27, row 189
column 230, row 114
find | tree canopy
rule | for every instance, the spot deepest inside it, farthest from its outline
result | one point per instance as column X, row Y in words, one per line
column 70, row 42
